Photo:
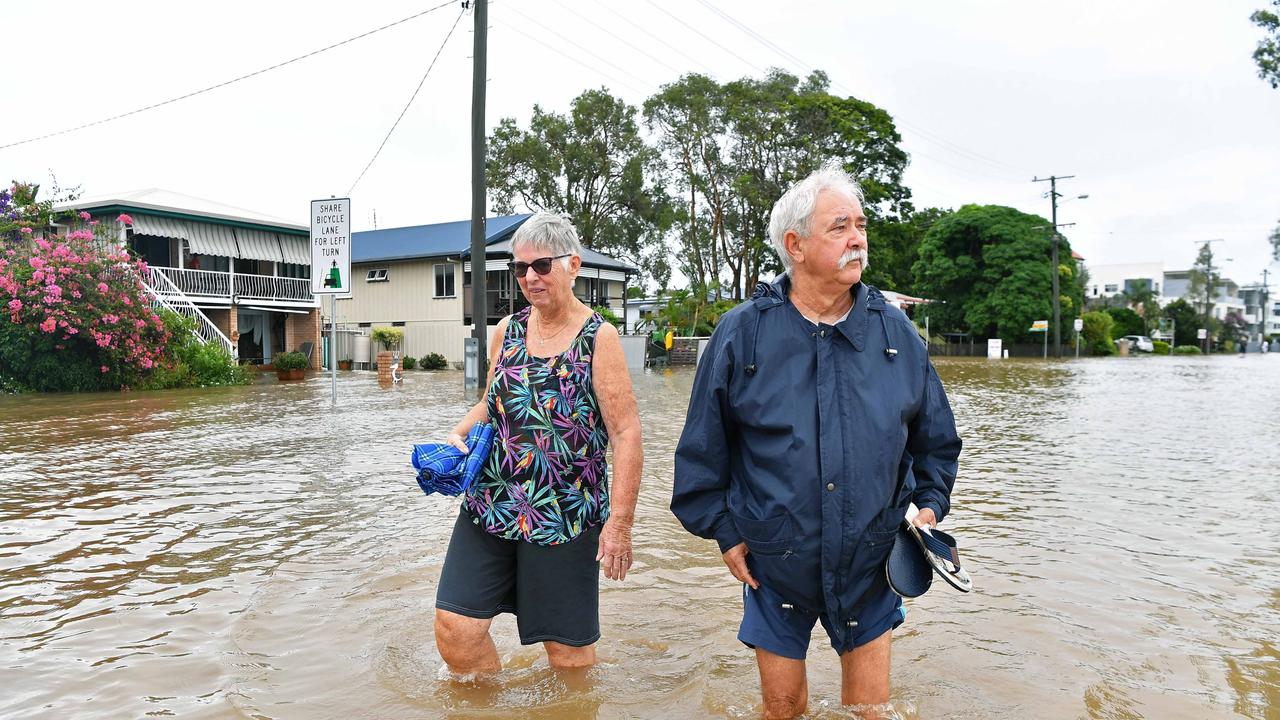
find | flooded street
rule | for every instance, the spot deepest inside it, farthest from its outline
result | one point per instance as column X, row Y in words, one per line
column 250, row 552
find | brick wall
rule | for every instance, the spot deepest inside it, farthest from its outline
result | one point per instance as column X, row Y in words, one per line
column 304, row 328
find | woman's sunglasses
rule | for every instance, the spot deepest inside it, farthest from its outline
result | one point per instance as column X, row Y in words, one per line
column 542, row 265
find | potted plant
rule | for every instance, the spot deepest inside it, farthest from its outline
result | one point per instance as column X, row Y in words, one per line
column 290, row 365
column 389, row 337
column 344, row 364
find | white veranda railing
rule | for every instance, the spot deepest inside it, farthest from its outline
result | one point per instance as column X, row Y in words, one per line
column 165, row 294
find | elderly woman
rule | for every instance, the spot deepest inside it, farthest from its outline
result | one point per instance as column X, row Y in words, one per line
column 534, row 529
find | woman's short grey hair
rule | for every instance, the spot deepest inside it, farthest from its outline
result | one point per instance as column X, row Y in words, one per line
column 550, row 232
column 794, row 210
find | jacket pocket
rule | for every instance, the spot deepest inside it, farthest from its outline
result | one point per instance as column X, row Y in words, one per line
column 770, row 536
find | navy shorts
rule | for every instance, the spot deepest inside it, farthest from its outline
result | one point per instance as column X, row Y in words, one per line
column 553, row 590
column 768, row 624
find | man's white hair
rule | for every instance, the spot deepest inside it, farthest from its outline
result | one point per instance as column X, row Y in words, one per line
column 794, row 210
column 550, row 232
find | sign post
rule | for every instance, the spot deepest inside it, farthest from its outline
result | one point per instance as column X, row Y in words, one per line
column 331, row 264
column 1042, row 326
column 1203, row 336
column 1079, row 324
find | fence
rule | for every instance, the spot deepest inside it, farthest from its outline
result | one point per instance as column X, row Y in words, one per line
column 345, row 345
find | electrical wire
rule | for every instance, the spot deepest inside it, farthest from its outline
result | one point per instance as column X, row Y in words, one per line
column 936, row 139
column 558, row 51
column 223, row 84
column 412, row 97
column 706, row 37
column 619, row 68
column 621, row 39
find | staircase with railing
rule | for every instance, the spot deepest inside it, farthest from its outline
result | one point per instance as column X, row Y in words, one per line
column 165, row 294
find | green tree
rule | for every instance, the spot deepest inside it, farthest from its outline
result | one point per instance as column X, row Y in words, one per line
column 1275, row 243
column 1185, row 321
column 1205, row 282
column 894, row 246
column 733, row 149
column 1145, row 302
column 688, row 118
column 1267, row 54
column 1126, row 322
column 1097, row 333
column 591, row 166
column 991, row 267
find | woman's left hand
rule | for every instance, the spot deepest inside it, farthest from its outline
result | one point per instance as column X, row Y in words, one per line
column 615, row 548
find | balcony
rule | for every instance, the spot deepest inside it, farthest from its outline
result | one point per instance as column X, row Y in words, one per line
column 212, row 287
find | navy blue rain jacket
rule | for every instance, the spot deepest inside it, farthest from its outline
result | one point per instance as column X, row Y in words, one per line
column 808, row 443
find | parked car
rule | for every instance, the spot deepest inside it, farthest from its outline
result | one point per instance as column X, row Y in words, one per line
column 1140, row 343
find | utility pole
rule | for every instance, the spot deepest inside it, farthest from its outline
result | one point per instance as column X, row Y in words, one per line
column 1264, row 295
column 1057, row 313
column 479, row 76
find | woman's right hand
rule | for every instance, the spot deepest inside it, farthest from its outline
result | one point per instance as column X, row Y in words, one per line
column 457, row 441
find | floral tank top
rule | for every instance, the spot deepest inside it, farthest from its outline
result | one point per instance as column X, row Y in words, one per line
column 545, row 480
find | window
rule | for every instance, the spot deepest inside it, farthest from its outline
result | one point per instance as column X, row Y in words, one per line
column 397, row 323
column 376, row 275
column 365, row 325
column 444, row 280
column 1111, row 288
column 294, row 270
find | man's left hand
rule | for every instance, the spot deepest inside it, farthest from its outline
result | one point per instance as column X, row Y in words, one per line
column 925, row 519
column 615, row 548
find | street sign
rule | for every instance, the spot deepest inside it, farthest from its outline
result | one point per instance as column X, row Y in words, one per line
column 995, row 349
column 1079, row 324
column 1202, row 334
column 1040, row 326
column 331, row 246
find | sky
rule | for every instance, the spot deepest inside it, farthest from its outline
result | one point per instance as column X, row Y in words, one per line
column 1154, row 107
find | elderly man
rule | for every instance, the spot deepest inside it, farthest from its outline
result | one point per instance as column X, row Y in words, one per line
column 816, row 419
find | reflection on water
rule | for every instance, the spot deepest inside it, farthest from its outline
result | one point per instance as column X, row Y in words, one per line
column 250, row 552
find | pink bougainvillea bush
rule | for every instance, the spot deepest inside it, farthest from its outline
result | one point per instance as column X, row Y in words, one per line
column 76, row 316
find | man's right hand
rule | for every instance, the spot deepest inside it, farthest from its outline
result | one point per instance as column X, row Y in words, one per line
column 736, row 559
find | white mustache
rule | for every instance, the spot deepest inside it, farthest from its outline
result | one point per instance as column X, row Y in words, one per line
column 855, row 254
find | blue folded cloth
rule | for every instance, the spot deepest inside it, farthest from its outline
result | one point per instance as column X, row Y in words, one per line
column 443, row 468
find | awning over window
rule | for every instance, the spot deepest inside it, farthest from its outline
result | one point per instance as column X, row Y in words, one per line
column 202, row 238
column 297, row 250
column 259, row 245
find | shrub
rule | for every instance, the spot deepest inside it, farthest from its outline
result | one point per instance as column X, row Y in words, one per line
column 389, row 337
column 1187, row 350
column 1161, row 347
column 409, row 362
column 434, row 361
column 290, row 361
column 74, row 315
column 1097, row 333
column 607, row 314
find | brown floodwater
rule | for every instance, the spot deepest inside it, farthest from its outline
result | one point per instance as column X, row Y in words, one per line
column 251, row 552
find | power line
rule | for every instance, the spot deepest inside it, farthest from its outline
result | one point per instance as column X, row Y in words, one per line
column 562, row 53
column 412, row 97
column 619, row 68
column 620, row 39
column 706, row 37
column 227, row 82
column 659, row 38
column 937, row 139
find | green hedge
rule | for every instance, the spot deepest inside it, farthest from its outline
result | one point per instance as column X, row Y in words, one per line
column 434, row 361
column 1186, row 350
column 1161, row 347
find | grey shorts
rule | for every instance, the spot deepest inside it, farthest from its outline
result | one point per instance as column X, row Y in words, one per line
column 553, row 590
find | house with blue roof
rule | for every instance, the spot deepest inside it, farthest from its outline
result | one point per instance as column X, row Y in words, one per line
column 419, row 279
